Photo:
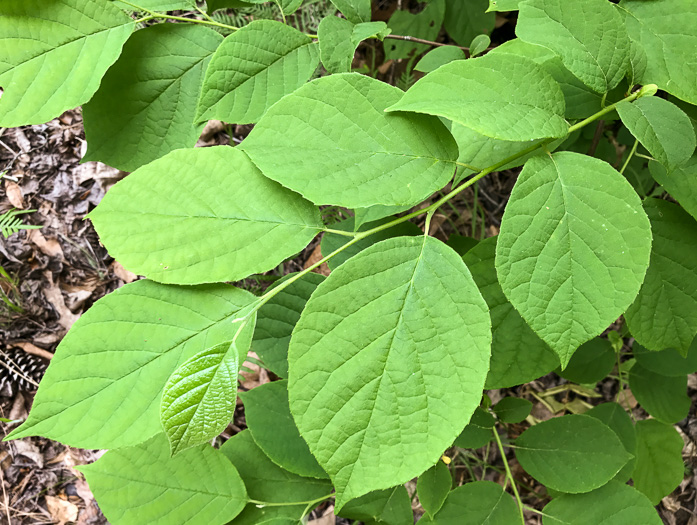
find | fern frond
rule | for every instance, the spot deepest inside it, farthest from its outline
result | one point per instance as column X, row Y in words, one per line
column 11, row 224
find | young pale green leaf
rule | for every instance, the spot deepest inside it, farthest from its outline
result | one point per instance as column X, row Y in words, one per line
column 144, row 485
column 252, row 69
column 339, row 38
column 680, row 182
column 667, row 362
column 512, row 409
column 478, row 432
column 384, row 507
column 103, row 387
column 573, row 249
column 198, row 401
column 664, row 397
column 481, row 502
column 464, row 20
column 276, row 320
column 439, row 56
column 664, row 314
column 486, row 95
column 332, row 142
column 518, row 355
column 374, row 213
column 52, row 58
column 355, row 11
column 266, row 481
column 268, row 416
column 433, row 487
column 145, row 105
column 666, row 32
column 661, row 127
column 612, row 504
column 158, row 5
column 615, row 417
column 588, row 35
column 573, row 453
column 425, row 25
column 382, row 324
column 214, row 5
column 333, row 241
column 223, row 226
column 659, row 466
column 479, row 44
column 591, row 362
column 503, row 5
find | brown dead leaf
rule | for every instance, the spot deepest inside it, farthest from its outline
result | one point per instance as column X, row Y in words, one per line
column 66, row 318
column 18, row 412
column 328, row 518
column 21, row 140
column 14, row 194
column 212, row 128
column 314, row 258
column 50, row 247
column 61, row 511
column 24, row 447
column 257, row 376
column 105, row 175
column 34, row 350
column 125, row 275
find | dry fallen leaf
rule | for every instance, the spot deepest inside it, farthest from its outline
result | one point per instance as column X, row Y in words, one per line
column 24, row 447
column 315, row 257
column 61, row 511
column 55, row 297
column 328, row 518
column 35, row 350
column 50, row 247
column 257, row 376
column 125, row 275
column 14, row 194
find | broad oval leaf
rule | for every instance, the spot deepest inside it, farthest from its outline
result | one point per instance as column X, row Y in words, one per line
column 103, row 387
column 588, row 35
column 387, row 363
column 664, row 314
column 465, row 20
column 518, row 355
column 573, row 249
column 355, row 11
column 591, row 362
column 573, row 453
column 612, row 504
column 266, row 481
column 145, row 105
column 198, row 487
column 481, row 502
column 507, row 97
column 221, row 220
column 661, row 127
column 199, row 398
column 269, row 420
column 52, row 58
column 512, row 409
column 667, row 362
column 332, row 142
column 666, row 32
column 664, row 397
column 615, row 417
column 433, row 487
column 252, row 69
column 339, row 38
column 425, row 25
column 659, row 465
column 384, row 507
column 680, row 182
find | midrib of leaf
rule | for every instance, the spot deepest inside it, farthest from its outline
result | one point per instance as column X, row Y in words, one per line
column 193, row 492
column 276, row 223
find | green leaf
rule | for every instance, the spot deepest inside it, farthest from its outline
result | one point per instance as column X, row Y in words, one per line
column 661, row 127
column 53, row 58
column 224, row 227
column 573, row 453
column 250, row 71
column 612, row 504
column 659, row 466
column 103, row 387
column 666, row 33
column 589, row 36
column 667, row 362
column 481, row 502
column 355, row 11
column 439, row 56
column 665, row 398
column 518, row 355
column 276, row 320
column 465, row 19
column 199, row 486
column 425, row 25
column 389, row 507
column 145, row 105
column 433, row 487
column 461, row 244
column 481, row 94
column 339, row 38
column 332, row 142
column 512, row 409
column 503, row 5
column 615, row 417
column 199, row 398
column 332, row 241
column 680, row 182
column 382, row 324
column 590, row 363
column 289, row 6
column 375, row 213
column 268, row 416
column 158, row 5
column 478, row 432
column 573, row 249
column 266, row 481
column 214, row 5
column 664, row 314
column 479, row 44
